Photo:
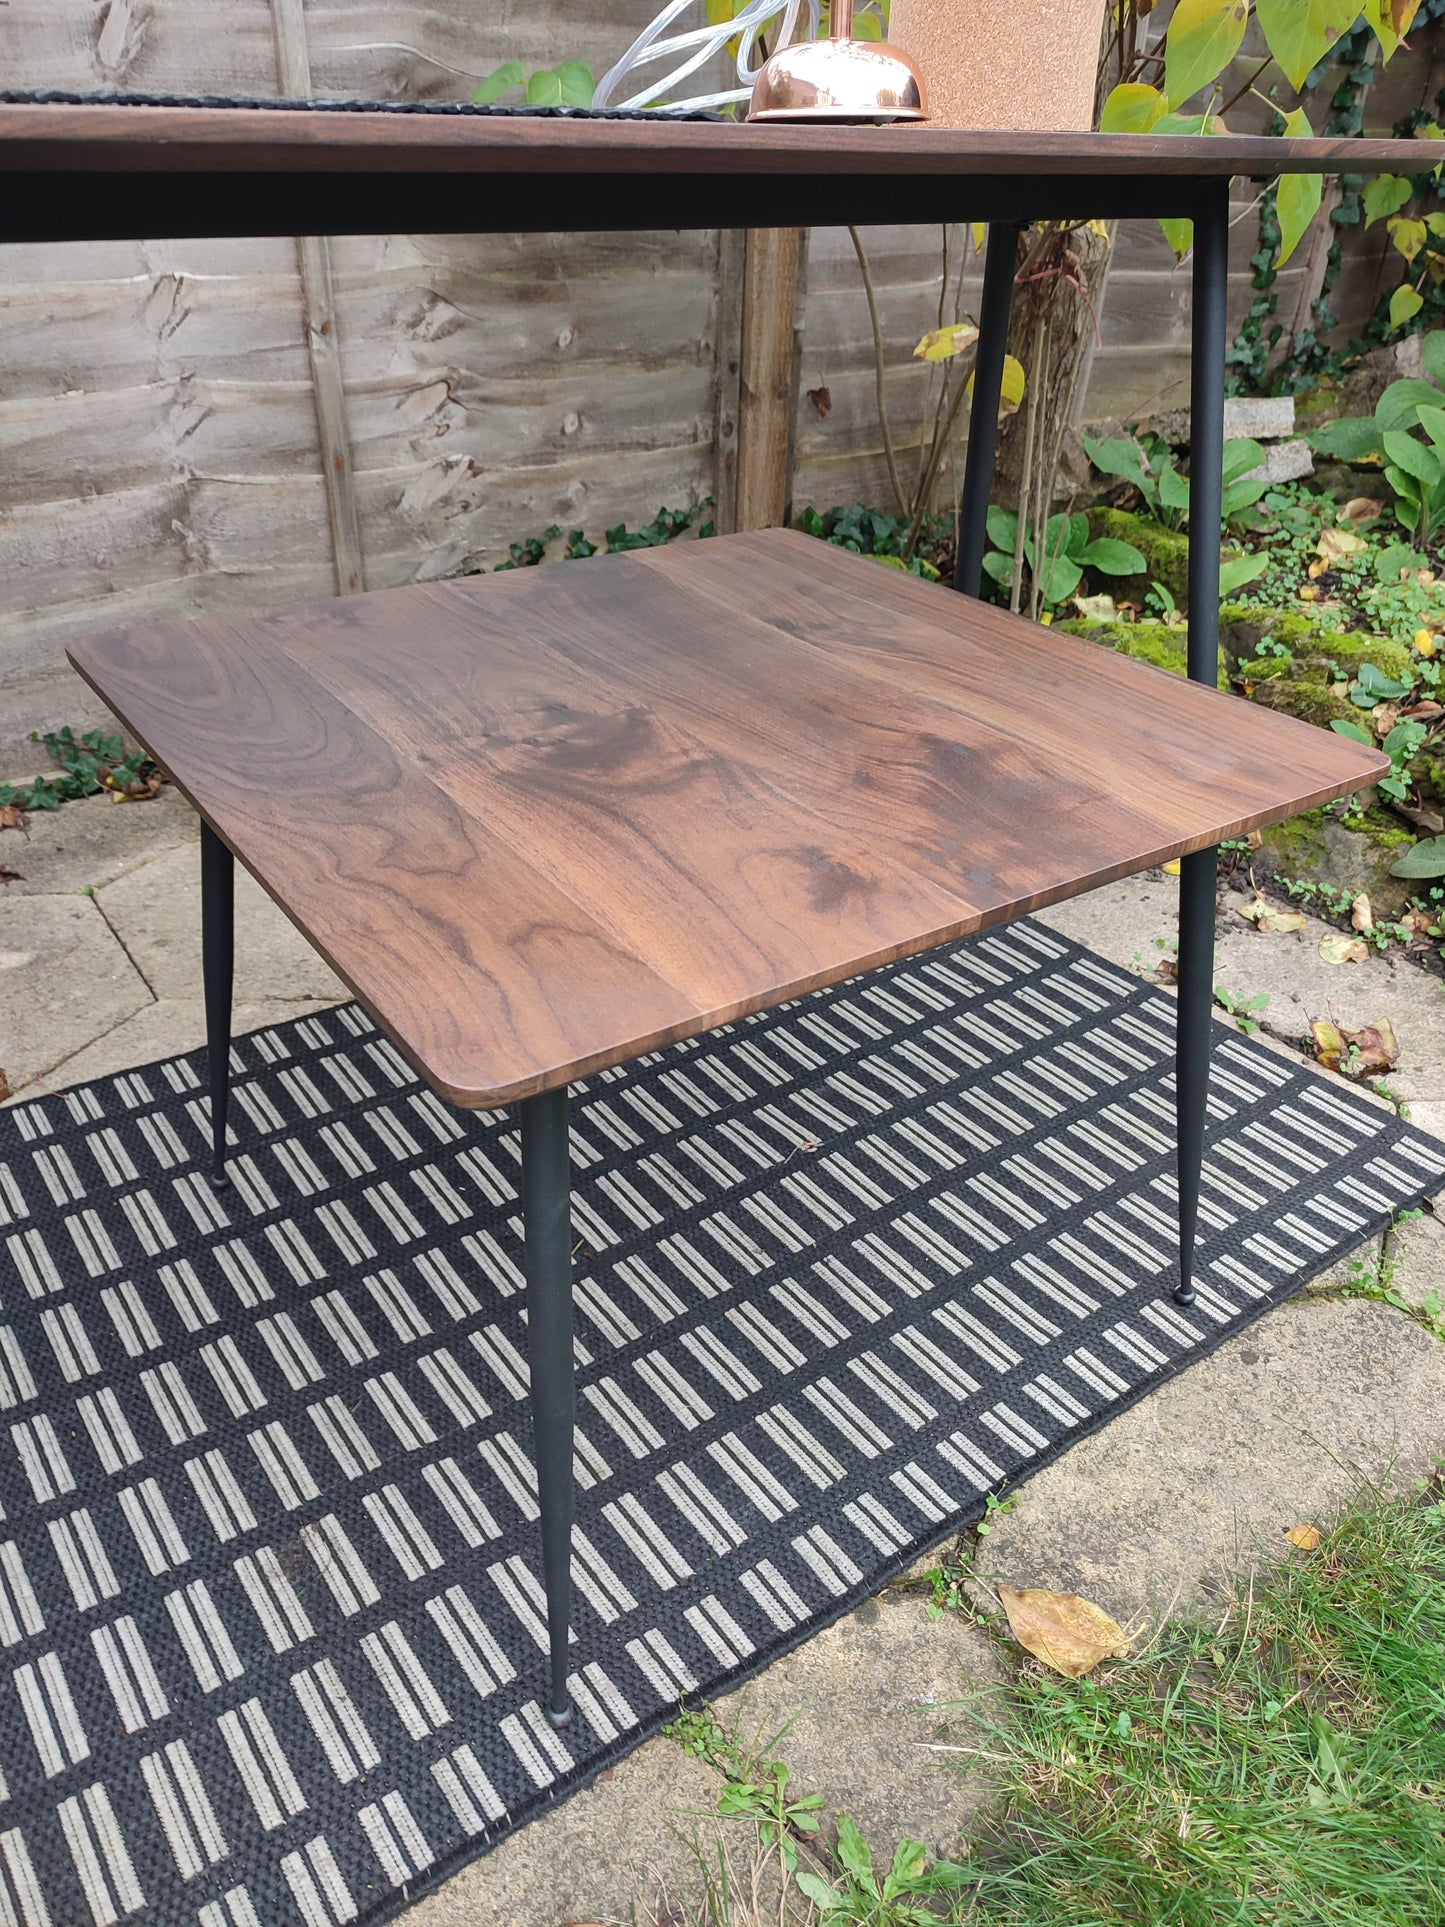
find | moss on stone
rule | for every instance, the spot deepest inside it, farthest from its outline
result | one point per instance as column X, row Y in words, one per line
column 1349, row 854
column 1312, row 642
column 1297, row 845
column 1164, row 645
column 1165, row 551
column 1311, row 698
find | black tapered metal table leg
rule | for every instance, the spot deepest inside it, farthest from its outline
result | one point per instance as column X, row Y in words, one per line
column 999, row 268
column 1194, row 1027
column 547, row 1221
column 1198, row 874
column 218, row 955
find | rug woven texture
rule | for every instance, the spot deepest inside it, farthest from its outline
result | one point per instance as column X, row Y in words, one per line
column 271, row 1630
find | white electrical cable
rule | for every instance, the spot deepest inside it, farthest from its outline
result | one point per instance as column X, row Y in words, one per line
column 696, row 47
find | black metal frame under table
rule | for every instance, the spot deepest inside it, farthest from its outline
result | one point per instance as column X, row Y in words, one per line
column 254, row 170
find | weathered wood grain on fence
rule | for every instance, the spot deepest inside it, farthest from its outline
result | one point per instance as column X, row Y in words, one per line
column 159, row 443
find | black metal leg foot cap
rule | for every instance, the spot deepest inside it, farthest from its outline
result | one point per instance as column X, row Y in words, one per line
column 556, row 1719
column 1185, row 1295
column 219, row 1181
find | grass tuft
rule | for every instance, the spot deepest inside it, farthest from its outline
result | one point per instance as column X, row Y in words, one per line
column 1284, row 1770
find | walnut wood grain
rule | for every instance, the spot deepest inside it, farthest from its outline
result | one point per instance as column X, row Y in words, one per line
column 542, row 822
column 97, row 137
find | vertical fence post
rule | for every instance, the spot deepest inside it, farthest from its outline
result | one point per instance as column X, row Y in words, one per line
column 313, row 251
column 774, row 286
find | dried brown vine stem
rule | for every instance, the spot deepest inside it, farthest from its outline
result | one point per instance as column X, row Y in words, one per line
column 879, row 370
column 942, row 411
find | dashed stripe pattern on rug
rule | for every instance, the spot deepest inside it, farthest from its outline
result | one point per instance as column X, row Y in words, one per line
column 272, row 1641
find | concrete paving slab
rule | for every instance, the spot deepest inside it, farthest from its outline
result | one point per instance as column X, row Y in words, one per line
column 64, row 981
column 868, row 1699
column 1127, row 922
column 1208, row 1473
column 156, row 913
column 1414, row 1266
column 92, row 842
column 1429, row 1115
column 1303, row 987
column 167, row 1028
column 592, row 1858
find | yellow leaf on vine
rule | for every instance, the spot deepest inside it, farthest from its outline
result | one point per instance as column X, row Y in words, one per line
column 941, row 344
column 1013, row 389
column 1408, row 234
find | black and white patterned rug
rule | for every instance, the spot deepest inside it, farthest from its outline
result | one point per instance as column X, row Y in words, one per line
column 271, row 1636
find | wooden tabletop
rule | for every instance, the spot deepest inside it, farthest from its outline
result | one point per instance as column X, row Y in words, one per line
column 544, row 821
column 220, row 140
column 241, row 170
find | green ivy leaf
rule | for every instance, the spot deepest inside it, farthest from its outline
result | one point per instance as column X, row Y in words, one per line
column 570, row 85
column 1405, row 303
column 1203, row 38
column 1179, row 235
column 500, row 81
column 1385, row 194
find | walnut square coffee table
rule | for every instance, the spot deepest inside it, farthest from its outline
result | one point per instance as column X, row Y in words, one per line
column 547, row 821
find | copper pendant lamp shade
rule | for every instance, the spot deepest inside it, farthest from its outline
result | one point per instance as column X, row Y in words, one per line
column 839, row 79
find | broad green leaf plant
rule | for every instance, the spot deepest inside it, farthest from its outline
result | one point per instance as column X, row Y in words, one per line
column 1196, row 90
column 1406, row 436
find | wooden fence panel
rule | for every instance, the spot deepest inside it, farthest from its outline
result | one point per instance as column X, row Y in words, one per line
column 159, row 442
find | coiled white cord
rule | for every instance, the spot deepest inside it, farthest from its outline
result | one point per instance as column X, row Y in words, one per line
column 695, row 48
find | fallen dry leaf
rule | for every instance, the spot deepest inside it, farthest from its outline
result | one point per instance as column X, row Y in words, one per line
column 1383, row 718
column 1265, row 916
column 1360, row 1054
column 1426, row 642
column 822, row 400
column 4, row 1087
column 1096, row 608
column 1362, row 509
column 12, row 817
column 1069, row 1634
column 10, row 876
column 1172, row 869
column 1305, row 1537
column 1362, row 917
column 1337, row 948
column 1334, row 543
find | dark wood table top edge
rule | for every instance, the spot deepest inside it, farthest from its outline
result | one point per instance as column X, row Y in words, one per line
column 142, row 139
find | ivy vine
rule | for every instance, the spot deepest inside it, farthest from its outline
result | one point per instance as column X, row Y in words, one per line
column 1310, row 356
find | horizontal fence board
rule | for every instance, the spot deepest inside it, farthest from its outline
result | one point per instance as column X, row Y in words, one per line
column 158, row 443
